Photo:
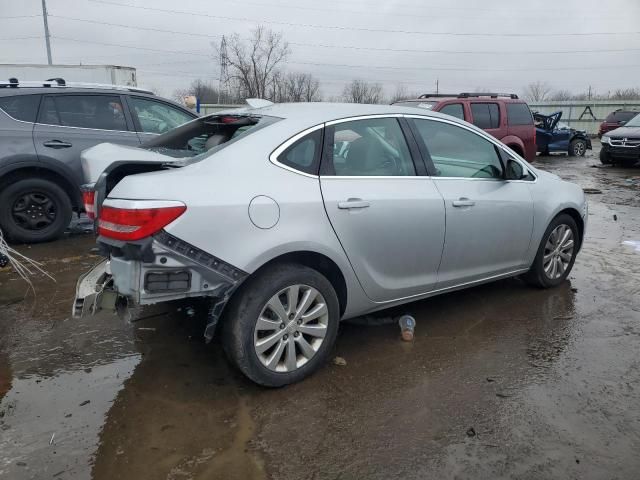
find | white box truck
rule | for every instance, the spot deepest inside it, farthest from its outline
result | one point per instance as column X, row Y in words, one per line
column 106, row 74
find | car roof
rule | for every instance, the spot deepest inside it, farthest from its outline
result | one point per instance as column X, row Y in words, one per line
column 482, row 98
column 12, row 91
column 309, row 114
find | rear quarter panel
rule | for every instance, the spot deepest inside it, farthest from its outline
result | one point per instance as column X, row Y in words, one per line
column 218, row 191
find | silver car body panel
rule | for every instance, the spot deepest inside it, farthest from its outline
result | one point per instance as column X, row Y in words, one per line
column 218, row 190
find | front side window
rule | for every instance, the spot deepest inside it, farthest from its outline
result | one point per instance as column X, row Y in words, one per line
column 103, row 112
column 373, row 147
column 519, row 114
column 486, row 115
column 21, row 107
column 453, row 109
column 458, row 152
column 157, row 117
column 304, row 154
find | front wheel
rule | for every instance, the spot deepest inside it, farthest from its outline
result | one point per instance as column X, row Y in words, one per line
column 556, row 253
column 282, row 324
column 577, row 148
column 605, row 159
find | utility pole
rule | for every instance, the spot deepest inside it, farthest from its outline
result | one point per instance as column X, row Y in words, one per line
column 46, row 31
column 589, row 94
column 437, row 81
column 223, row 79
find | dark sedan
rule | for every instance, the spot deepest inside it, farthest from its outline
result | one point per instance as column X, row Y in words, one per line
column 553, row 136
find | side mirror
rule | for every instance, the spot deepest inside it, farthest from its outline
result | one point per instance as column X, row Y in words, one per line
column 515, row 171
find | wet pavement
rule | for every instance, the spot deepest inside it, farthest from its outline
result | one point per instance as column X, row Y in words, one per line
column 502, row 380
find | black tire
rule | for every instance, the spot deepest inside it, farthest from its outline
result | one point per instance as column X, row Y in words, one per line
column 52, row 213
column 577, row 147
column 536, row 275
column 605, row 159
column 246, row 306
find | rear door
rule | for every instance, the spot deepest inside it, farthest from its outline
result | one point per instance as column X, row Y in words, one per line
column 153, row 117
column 388, row 216
column 489, row 219
column 70, row 123
column 486, row 115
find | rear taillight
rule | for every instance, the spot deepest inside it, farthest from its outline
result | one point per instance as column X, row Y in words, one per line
column 134, row 220
column 88, row 198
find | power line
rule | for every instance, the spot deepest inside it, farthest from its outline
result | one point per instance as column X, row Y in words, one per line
column 11, row 17
column 20, row 38
column 361, row 66
column 181, row 52
column 363, row 29
column 353, row 47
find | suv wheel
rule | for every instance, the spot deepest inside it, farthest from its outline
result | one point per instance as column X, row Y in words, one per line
column 34, row 210
column 605, row 159
column 577, row 148
column 282, row 324
column 556, row 253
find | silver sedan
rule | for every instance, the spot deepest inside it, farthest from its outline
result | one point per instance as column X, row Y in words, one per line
column 288, row 218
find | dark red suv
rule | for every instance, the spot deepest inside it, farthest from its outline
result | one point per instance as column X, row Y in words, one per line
column 504, row 116
column 615, row 120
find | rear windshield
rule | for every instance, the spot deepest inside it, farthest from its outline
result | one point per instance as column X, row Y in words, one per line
column 21, row 107
column 620, row 116
column 519, row 114
column 204, row 136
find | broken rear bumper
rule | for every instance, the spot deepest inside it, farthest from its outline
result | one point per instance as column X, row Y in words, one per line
column 158, row 269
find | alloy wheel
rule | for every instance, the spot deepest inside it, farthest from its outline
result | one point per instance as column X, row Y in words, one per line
column 579, row 149
column 33, row 211
column 558, row 251
column 291, row 328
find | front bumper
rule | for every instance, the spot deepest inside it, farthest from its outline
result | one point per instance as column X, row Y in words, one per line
column 158, row 269
column 630, row 153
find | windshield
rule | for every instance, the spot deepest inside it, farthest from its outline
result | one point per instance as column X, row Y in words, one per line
column 634, row 122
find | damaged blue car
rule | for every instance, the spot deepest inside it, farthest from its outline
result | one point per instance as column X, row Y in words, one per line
column 554, row 136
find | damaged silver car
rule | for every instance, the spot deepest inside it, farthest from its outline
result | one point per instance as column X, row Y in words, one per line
column 288, row 218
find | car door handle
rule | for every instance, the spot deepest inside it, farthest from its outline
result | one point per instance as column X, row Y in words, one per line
column 463, row 202
column 353, row 203
column 57, row 144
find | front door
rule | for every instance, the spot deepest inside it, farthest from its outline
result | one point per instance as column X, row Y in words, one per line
column 489, row 219
column 70, row 123
column 389, row 220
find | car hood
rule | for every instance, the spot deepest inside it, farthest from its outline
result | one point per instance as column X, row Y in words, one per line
column 97, row 159
column 633, row 132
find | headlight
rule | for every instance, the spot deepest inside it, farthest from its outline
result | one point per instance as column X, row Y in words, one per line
column 604, row 139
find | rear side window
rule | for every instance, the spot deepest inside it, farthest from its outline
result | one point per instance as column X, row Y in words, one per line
column 304, row 154
column 102, row 112
column 21, row 107
column 485, row 115
column 453, row 109
column 519, row 114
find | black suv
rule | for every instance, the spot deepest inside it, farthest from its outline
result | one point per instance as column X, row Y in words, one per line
column 43, row 128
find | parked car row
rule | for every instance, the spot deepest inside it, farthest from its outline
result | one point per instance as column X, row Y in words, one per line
column 43, row 128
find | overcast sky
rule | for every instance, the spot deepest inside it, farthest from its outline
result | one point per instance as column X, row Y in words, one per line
column 499, row 45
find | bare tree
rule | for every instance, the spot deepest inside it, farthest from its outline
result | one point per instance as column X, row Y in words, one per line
column 359, row 91
column 402, row 93
column 537, row 91
column 302, row 87
column 253, row 63
column 625, row 94
column 205, row 92
column 561, row 95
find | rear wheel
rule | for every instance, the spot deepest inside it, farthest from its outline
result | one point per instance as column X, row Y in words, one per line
column 34, row 210
column 281, row 326
column 577, row 147
column 556, row 253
